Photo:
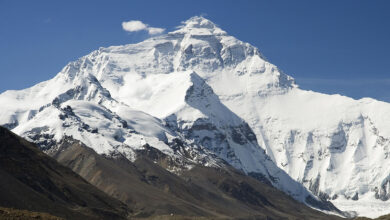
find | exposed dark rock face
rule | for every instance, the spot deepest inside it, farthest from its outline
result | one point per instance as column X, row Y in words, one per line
column 31, row 180
column 146, row 185
column 11, row 126
column 355, row 197
column 243, row 134
column 382, row 192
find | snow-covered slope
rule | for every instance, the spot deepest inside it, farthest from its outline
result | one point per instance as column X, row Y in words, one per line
column 223, row 99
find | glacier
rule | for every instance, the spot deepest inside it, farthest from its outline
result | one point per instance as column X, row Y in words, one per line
column 225, row 101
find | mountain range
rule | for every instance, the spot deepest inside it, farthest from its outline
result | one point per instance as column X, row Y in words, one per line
column 37, row 186
column 196, row 102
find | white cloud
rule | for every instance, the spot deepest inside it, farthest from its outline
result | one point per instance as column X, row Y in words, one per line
column 153, row 30
column 134, row 25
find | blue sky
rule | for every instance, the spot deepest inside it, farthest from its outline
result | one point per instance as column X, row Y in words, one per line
column 327, row 46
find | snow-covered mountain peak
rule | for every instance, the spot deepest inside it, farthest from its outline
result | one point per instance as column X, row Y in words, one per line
column 197, row 46
column 199, row 25
column 219, row 94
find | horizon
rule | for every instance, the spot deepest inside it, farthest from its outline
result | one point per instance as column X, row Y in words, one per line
column 345, row 53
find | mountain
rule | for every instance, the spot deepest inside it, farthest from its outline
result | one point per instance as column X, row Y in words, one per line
column 76, row 104
column 222, row 101
column 31, row 180
column 200, row 192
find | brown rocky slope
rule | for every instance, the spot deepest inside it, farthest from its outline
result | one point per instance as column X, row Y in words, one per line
column 151, row 190
column 31, row 180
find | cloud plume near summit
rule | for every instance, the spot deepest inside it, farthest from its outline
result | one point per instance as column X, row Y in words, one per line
column 135, row 25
